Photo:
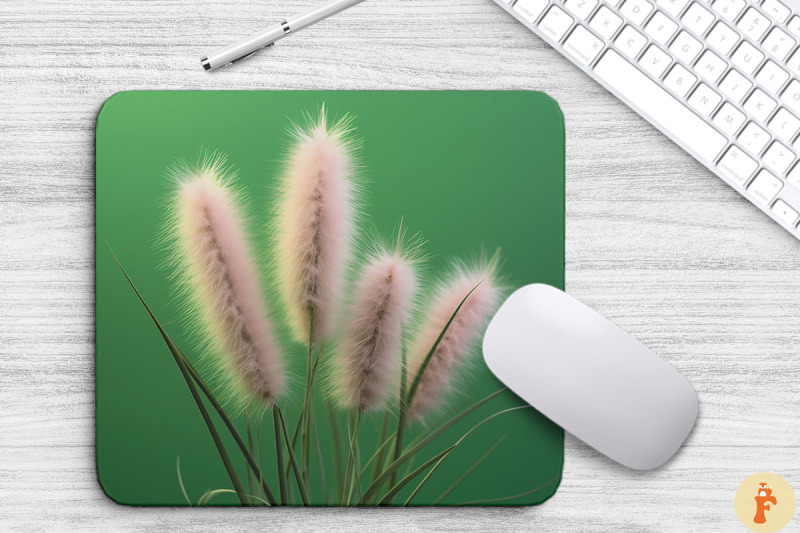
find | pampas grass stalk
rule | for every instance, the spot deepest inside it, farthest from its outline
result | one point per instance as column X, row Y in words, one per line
column 313, row 227
column 371, row 341
column 480, row 283
column 217, row 266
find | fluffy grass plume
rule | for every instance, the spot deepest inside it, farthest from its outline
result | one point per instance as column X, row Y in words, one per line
column 371, row 341
column 314, row 225
column 217, row 270
column 457, row 343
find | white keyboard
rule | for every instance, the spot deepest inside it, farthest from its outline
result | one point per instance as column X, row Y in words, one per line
column 719, row 77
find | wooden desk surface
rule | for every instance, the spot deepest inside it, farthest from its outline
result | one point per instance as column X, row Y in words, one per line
column 654, row 241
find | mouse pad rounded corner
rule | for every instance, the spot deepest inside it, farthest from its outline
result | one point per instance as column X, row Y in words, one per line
column 292, row 289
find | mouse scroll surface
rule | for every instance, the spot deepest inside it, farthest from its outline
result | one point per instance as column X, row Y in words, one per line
column 590, row 377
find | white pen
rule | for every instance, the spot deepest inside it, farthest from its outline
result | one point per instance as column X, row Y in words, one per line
column 250, row 45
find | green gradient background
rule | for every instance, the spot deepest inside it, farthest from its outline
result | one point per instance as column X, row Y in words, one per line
column 468, row 170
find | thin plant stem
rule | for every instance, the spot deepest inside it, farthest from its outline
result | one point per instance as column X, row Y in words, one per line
column 355, row 450
column 251, row 480
column 466, row 473
column 337, row 446
column 233, row 431
column 301, row 486
column 305, row 432
column 180, row 482
column 279, row 457
column 429, row 437
column 346, row 484
column 387, row 419
column 462, row 439
column 320, row 461
column 387, row 499
column 405, row 400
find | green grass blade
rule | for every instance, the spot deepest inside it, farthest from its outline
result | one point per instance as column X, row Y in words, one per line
column 337, row 448
column 397, row 463
column 466, row 473
column 180, row 482
column 279, row 458
column 179, row 359
column 415, row 383
column 293, row 459
column 378, row 465
column 320, row 460
column 209, row 495
column 406, row 480
column 251, row 462
column 463, row 437
column 512, row 497
column 405, row 401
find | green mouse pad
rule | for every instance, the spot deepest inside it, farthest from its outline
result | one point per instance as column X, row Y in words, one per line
column 316, row 271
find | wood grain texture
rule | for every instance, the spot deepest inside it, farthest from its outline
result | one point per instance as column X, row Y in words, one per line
column 654, row 241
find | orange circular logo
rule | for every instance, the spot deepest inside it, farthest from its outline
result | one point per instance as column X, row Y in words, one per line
column 765, row 502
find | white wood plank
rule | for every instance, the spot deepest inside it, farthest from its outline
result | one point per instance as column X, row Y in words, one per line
column 654, row 241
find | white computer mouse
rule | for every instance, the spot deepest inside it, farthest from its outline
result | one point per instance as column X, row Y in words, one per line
column 590, row 377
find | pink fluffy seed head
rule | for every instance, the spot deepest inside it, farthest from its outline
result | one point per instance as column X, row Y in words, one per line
column 438, row 378
column 217, row 270
column 372, row 337
column 314, row 226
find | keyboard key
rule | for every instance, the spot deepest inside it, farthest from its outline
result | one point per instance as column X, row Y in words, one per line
column 747, row 57
column 605, row 22
column 793, row 63
column 753, row 138
column 772, row 77
column 737, row 165
column 555, row 23
column 735, row 86
column 776, row 10
column 728, row 9
column 704, row 100
column 710, row 66
column 673, row 7
column 697, row 18
column 655, row 61
column 778, row 158
column 784, row 212
column 759, row 105
column 685, row 47
column 636, row 10
column 729, row 119
column 778, row 43
column 791, row 96
column 794, row 26
column 665, row 111
column 793, row 178
column 630, row 42
column 722, row 38
column 581, row 8
column 679, row 80
column 753, row 24
column 784, row 125
column 765, row 187
column 583, row 45
column 661, row 28
column 530, row 9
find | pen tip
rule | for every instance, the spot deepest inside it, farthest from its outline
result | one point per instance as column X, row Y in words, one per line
column 206, row 64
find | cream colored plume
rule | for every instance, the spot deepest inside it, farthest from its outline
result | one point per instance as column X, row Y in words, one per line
column 218, row 270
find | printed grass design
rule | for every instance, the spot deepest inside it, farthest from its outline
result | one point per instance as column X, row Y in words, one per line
column 384, row 346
